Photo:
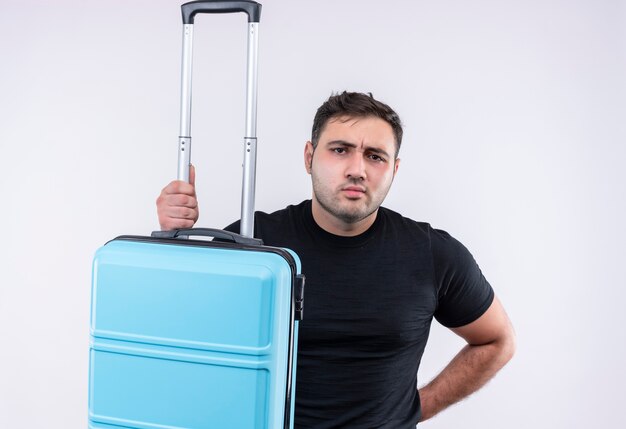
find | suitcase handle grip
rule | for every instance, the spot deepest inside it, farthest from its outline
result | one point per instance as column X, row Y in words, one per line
column 251, row 8
column 208, row 232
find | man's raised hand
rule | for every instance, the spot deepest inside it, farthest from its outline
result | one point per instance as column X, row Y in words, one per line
column 177, row 205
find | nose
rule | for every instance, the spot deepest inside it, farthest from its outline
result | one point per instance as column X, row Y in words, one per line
column 355, row 169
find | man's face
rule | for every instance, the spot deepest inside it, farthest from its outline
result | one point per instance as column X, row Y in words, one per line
column 352, row 167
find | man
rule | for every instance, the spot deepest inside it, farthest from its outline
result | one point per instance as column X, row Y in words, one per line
column 375, row 280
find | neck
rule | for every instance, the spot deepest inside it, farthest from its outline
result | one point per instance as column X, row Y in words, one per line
column 332, row 224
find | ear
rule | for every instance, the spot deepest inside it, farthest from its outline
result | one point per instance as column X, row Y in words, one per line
column 395, row 166
column 308, row 156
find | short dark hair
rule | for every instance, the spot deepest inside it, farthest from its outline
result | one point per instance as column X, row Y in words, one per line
column 355, row 105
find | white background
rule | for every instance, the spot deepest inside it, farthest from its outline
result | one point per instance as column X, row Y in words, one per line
column 515, row 115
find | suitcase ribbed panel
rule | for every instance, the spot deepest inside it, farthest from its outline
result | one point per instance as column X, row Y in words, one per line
column 189, row 337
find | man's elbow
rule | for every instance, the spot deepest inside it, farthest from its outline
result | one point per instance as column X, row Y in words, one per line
column 508, row 346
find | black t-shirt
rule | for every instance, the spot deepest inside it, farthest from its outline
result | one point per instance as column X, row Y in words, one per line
column 369, row 301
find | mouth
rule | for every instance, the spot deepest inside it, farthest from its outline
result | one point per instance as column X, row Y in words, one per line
column 353, row 191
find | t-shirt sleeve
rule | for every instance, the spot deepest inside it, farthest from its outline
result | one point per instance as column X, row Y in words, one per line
column 463, row 292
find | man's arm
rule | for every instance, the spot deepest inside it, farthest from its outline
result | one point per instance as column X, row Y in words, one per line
column 490, row 345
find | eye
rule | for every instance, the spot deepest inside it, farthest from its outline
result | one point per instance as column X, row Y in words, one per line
column 377, row 158
column 339, row 150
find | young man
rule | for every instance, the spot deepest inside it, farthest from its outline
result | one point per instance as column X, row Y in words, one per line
column 375, row 280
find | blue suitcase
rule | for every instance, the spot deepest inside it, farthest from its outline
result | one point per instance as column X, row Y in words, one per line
column 193, row 334
column 189, row 333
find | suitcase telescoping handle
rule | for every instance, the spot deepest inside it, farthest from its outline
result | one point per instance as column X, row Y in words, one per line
column 253, row 9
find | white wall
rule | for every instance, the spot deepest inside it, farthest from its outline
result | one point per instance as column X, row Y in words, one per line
column 515, row 118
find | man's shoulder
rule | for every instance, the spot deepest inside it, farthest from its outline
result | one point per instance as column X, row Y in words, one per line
column 292, row 210
column 398, row 220
column 439, row 238
column 275, row 218
column 282, row 227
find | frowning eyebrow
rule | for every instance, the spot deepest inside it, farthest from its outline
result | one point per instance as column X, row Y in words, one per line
column 352, row 145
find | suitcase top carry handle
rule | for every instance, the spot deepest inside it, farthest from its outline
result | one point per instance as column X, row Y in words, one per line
column 251, row 8
column 208, row 232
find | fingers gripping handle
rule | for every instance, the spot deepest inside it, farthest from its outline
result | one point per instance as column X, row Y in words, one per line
column 251, row 8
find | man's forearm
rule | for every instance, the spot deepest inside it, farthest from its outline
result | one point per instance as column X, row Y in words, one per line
column 470, row 369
